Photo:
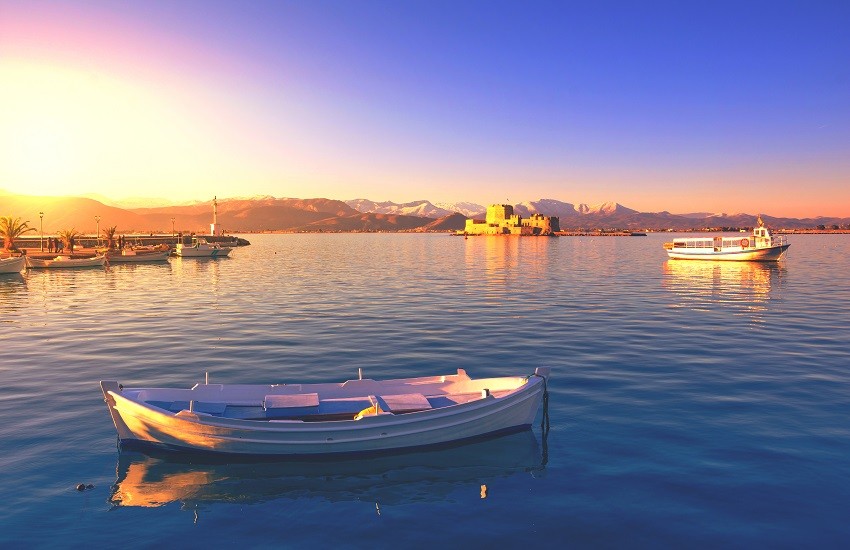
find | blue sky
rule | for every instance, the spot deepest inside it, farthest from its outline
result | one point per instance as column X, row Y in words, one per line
column 677, row 106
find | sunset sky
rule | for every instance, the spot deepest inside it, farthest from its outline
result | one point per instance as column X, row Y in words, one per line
column 680, row 106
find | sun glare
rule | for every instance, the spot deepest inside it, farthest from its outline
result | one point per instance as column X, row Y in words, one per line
column 38, row 149
column 65, row 131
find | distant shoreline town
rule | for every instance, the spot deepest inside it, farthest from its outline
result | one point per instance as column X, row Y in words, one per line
column 321, row 215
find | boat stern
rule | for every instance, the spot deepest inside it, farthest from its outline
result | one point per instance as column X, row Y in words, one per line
column 545, row 372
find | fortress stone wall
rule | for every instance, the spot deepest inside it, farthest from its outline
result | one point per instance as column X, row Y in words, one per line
column 501, row 220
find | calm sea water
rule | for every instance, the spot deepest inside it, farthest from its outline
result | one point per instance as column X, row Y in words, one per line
column 691, row 404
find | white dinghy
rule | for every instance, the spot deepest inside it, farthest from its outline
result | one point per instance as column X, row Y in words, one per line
column 13, row 265
column 138, row 255
column 357, row 416
column 65, row 262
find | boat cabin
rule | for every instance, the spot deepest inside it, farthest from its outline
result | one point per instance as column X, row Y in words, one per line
column 716, row 244
column 760, row 238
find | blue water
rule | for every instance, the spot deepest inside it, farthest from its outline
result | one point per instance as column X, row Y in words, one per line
column 692, row 404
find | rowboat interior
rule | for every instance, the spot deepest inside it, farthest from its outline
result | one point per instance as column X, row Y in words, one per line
column 347, row 401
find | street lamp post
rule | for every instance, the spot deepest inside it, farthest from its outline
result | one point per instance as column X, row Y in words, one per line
column 41, row 225
column 172, row 227
column 97, row 219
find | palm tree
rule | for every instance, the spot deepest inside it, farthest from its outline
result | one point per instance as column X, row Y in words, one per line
column 11, row 229
column 109, row 236
column 66, row 235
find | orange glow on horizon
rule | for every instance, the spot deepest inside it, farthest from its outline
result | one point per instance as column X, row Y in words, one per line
column 96, row 101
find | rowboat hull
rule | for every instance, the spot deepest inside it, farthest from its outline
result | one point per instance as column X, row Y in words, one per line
column 65, row 262
column 12, row 265
column 190, row 252
column 139, row 257
column 139, row 423
column 768, row 254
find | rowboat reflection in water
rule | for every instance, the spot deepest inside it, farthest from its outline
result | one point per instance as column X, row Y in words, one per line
column 151, row 480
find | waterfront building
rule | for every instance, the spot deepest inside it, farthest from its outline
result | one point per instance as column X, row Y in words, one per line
column 501, row 220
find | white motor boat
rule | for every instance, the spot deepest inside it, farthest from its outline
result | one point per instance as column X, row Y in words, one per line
column 200, row 248
column 13, row 265
column 356, row 416
column 65, row 262
column 760, row 246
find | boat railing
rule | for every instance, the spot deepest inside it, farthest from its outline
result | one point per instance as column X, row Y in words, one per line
column 693, row 243
column 726, row 242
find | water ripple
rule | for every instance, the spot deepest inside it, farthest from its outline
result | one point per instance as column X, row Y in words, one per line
column 691, row 403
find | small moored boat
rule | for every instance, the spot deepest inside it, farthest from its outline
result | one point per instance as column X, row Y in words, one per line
column 65, row 262
column 136, row 255
column 356, row 416
column 200, row 248
column 12, row 265
column 760, row 246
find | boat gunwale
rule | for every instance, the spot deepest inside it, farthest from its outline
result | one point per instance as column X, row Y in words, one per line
column 765, row 254
column 712, row 252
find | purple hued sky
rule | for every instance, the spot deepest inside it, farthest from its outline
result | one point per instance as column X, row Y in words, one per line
column 680, row 106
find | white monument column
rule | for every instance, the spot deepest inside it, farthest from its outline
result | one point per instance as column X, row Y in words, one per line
column 214, row 229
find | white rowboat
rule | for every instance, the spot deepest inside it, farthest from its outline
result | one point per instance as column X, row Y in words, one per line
column 129, row 255
column 65, row 262
column 356, row 416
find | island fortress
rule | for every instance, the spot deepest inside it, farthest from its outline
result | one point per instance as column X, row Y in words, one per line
column 501, row 220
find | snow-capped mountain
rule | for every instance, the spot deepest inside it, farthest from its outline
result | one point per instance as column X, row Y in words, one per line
column 422, row 208
column 468, row 209
column 552, row 207
column 547, row 207
column 609, row 209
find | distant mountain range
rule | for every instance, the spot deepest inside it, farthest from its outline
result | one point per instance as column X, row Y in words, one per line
column 257, row 214
column 547, row 207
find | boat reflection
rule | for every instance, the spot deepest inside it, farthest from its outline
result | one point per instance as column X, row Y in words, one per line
column 495, row 266
column 700, row 282
column 150, row 480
